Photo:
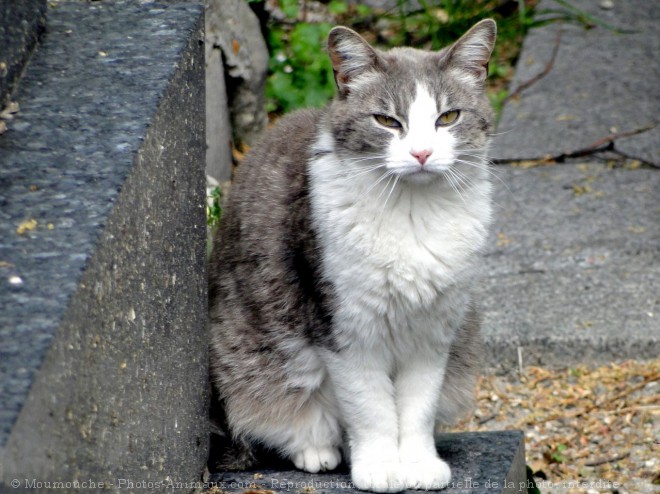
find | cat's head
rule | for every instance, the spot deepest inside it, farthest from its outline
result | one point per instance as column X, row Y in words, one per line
column 419, row 112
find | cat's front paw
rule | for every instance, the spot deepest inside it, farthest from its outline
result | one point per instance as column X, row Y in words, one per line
column 378, row 477
column 427, row 474
column 314, row 460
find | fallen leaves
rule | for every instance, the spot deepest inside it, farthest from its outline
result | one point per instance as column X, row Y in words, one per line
column 581, row 424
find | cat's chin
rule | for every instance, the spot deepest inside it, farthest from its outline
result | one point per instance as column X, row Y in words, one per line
column 420, row 177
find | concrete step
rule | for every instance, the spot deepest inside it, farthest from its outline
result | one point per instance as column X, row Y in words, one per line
column 573, row 267
column 103, row 364
column 481, row 463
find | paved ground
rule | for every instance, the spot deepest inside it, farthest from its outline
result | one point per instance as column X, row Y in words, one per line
column 574, row 263
column 601, row 83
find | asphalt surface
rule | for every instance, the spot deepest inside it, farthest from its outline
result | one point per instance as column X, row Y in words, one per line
column 573, row 267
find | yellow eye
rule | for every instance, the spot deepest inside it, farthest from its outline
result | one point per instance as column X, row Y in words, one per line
column 386, row 121
column 447, row 118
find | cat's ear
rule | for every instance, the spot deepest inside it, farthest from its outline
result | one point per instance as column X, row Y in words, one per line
column 472, row 51
column 351, row 57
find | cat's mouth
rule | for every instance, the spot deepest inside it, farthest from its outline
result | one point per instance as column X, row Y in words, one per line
column 421, row 173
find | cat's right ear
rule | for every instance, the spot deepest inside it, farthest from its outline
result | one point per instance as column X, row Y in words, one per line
column 351, row 57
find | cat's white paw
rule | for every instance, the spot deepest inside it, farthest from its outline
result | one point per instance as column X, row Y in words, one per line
column 427, row 474
column 378, row 477
column 314, row 460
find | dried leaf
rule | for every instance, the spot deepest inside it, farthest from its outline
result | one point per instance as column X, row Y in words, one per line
column 10, row 110
column 26, row 225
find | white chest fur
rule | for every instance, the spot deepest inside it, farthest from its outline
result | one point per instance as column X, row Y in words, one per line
column 395, row 248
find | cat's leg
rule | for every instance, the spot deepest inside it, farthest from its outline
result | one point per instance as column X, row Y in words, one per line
column 418, row 386
column 365, row 394
column 300, row 425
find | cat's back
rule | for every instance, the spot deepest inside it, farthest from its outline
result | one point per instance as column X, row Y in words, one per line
column 281, row 154
column 266, row 219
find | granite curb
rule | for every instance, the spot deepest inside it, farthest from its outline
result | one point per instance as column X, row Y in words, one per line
column 103, row 366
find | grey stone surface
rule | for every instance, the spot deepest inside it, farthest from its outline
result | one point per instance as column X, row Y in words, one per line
column 103, row 364
column 645, row 146
column 573, row 266
column 602, row 83
column 21, row 25
column 234, row 29
column 481, row 463
column 218, row 126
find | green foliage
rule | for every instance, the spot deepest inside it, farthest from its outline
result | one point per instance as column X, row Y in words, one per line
column 337, row 7
column 497, row 98
column 440, row 22
column 213, row 208
column 301, row 75
column 557, row 454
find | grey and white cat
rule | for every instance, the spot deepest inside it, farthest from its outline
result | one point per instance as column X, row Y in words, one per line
column 342, row 282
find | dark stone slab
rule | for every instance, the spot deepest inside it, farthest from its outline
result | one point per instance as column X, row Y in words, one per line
column 21, row 25
column 602, row 83
column 481, row 463
column 103, row 364
column 573, row 266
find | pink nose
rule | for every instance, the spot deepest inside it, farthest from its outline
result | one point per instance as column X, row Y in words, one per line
column 422, row 156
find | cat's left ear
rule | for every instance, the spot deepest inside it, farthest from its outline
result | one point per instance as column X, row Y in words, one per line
column 351, row 57
column 472, row 51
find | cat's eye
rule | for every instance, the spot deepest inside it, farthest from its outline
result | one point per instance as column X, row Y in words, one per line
column 447, row 118
column 386, row 121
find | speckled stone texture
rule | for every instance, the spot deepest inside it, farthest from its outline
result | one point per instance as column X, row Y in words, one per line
column 21, row 25
column 103, row 362
column 481, row 463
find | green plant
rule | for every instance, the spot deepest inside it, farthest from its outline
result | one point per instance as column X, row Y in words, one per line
column 213, row 216
column 556, row 455
column 301, row 74
column 214, row 208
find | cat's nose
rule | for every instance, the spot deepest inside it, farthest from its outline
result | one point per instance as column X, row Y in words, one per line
column 422, row 155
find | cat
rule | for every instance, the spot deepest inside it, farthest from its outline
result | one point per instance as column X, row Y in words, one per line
column 341, row 285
